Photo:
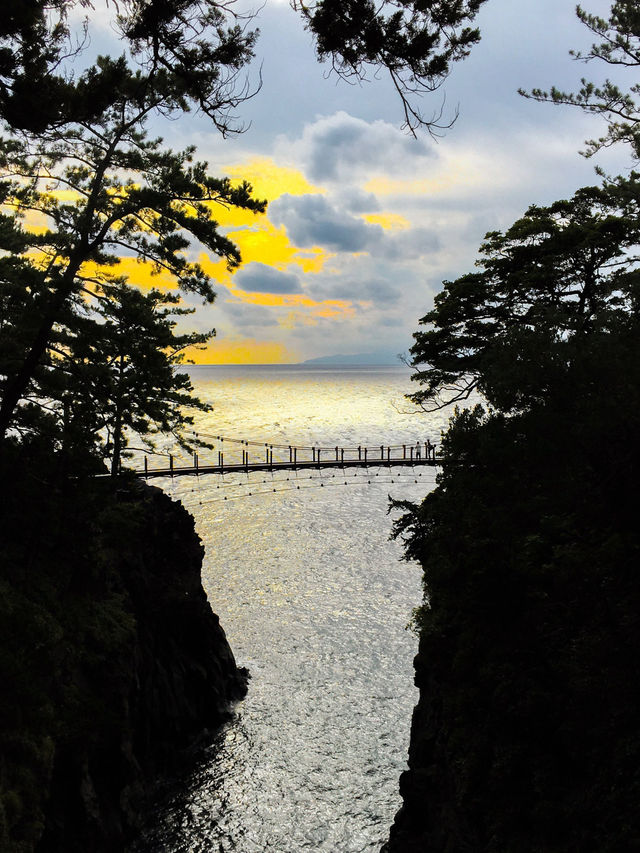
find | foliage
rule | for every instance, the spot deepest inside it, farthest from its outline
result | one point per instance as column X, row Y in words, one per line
column 525, row 737
column 526, row 734
column 84, row 187
column 99, row 192
column 199, row 48
column 182, row 54
column 512, row 329
column 415, row 42
column 114, row 370
column 619, row 48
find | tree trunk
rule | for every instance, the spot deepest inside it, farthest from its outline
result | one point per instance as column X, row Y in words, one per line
column 18, row 384
column 117, row 423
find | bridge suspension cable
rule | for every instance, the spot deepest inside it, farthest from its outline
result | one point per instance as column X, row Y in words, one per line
column 245, row 456
column 239, row 489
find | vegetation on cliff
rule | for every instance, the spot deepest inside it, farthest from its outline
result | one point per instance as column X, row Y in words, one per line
column 526, row 734
column 110, row 657
column 111, row 660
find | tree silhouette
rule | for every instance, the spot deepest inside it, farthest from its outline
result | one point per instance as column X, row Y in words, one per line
column 619, row 48
column 556, row 275
column 113, row 374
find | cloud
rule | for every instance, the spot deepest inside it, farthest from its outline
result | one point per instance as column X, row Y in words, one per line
column 408, row 245
column 259, row 278
column 247, row 316
column 311, row 221
column 270, row 179
column 340, row 146
column 366, row 287
column 356, row 200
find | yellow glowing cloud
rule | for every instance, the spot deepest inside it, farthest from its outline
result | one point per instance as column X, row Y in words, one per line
column 427, row 186
column 325, row 308
column 141, row 274
column 388, row 221
column 270, row 180
column 266, row 245
column 270, row 245
column 242, row 351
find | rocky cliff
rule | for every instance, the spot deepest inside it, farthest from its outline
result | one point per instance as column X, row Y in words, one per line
column 114, row 660
column 526, row 736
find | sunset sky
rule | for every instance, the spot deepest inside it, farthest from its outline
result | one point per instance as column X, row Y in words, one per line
column 364, row 221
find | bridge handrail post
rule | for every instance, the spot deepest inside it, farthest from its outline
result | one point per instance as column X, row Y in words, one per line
column 359, row 453
column 313, row 450
column 365, row 456
column 295, row 455
column 388, row 454
column 146, row 466
column 381, row 451
column 318, row 457
column 411, row 450
column 221, row 462
column 342, row 455
column 171, row 464
column 404, row 451
column 336, row 452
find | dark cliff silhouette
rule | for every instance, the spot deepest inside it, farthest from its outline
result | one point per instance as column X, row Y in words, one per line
column 112, row 662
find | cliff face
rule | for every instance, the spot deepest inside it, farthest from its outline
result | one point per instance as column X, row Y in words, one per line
column 526, row 736
column 123, row 666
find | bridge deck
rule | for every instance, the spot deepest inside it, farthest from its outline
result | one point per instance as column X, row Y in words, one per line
column 242, row 468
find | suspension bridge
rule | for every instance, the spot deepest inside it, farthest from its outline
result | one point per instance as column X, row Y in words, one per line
column 232, row 455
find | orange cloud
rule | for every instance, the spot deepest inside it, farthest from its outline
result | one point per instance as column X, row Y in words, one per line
column 242, row 351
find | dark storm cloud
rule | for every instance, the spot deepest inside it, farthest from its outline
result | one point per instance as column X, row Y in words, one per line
column 259, row 278
column 311, row 220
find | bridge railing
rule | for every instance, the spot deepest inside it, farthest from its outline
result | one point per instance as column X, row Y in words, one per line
column 226, row 454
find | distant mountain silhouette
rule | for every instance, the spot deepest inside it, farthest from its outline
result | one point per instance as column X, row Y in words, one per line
column 379, row 357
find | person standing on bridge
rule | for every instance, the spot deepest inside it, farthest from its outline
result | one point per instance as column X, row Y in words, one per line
column 417, row 450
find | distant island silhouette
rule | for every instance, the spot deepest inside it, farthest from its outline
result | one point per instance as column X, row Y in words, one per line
column 379, row 357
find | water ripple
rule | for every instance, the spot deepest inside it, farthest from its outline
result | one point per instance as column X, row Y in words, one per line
column 314, row 600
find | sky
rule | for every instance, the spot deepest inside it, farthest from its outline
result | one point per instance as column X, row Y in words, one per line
column 364, row 221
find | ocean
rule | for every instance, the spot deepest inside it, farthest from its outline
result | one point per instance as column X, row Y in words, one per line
column 316, row 602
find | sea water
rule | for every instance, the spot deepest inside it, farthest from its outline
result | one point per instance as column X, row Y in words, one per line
column 315, row 601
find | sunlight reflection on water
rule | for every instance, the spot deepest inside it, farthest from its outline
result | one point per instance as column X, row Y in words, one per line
column 314, row 600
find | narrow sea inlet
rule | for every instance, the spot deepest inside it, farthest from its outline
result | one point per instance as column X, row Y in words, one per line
column 315, row 602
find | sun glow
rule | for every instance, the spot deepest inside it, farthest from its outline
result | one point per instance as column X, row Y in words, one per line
column 243, row 351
